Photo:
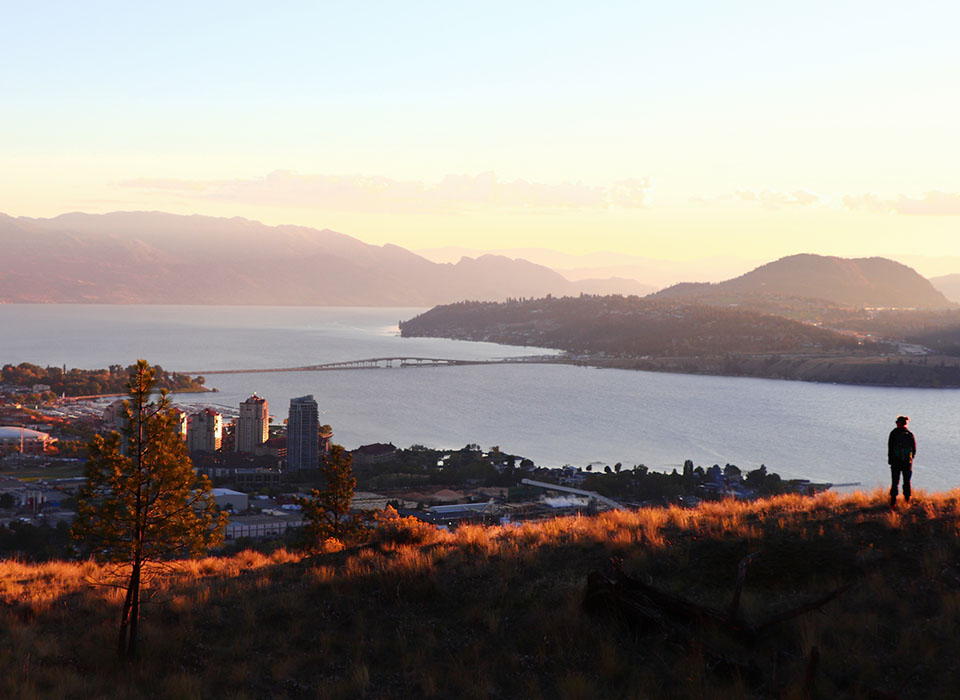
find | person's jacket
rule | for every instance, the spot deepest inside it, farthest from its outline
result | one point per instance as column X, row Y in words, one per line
column 901, row 447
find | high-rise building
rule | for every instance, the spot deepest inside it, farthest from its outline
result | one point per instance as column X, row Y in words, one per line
column 253, row 424
column 206, row 431
column 113, row 416
column 181, row 422
column 303, row 433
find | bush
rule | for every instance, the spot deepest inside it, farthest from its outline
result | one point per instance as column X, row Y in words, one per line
column 393, row 528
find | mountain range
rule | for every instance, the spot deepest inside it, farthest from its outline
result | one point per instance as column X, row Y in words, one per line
column 154, row 257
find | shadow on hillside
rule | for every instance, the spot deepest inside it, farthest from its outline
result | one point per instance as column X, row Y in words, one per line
column 500, row 616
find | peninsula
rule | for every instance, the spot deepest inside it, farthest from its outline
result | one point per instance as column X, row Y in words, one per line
column 679, row 335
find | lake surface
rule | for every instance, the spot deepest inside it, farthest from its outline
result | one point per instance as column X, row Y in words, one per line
column 553, row 414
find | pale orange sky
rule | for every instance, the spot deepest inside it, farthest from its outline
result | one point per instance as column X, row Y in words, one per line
column 700, row 129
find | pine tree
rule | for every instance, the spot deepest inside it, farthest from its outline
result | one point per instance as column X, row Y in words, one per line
column 142, row 503
column 327, row 511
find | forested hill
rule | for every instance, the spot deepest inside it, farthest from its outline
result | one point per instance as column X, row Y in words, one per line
column 627, row 326
column 847, row 282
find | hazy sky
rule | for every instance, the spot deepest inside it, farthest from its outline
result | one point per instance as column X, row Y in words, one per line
column 668, row 129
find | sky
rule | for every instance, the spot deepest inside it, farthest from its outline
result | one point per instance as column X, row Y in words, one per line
column 675, row 131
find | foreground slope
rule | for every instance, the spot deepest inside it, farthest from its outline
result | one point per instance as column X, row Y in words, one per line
column 498, row 612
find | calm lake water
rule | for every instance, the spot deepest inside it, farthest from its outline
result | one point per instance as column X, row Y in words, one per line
column 553, row 414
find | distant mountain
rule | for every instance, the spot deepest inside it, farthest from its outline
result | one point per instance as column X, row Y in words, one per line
column 649, row 273
column 153, row 257
column 948, row 285
column 847, row 282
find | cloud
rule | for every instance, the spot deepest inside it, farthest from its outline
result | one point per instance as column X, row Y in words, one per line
column 774, row 199
column 933, row 203
column 454, row 193
column 870, row 201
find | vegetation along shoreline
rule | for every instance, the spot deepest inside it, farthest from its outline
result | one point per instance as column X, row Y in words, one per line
column 680, row 336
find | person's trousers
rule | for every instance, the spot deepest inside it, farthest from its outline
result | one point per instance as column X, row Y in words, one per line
column 896, row 470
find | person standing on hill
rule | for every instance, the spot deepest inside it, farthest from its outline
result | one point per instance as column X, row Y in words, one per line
column 901, row 448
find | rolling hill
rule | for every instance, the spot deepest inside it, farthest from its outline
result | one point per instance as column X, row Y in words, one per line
column 845, row 282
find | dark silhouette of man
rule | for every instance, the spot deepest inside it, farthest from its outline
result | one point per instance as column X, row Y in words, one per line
column 901, row 448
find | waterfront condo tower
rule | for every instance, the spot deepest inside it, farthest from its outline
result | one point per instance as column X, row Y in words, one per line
column 182, row 422
column 303, row 434
column 253, row 424
column 206, row 431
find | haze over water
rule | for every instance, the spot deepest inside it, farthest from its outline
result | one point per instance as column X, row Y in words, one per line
column 553, row 414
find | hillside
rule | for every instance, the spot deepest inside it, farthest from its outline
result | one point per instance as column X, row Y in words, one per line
column 845, row 282
column 500, row 613
column 152, row 257
column 626, row 326
column 678, row 335
column 948, row 285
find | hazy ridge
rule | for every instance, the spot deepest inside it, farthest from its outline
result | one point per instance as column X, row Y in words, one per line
column 153, row 257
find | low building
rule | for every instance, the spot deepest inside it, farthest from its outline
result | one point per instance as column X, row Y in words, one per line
column 256, row 478
column 19, row 439
column 274, row 447
column 27, row 495
column 368, row 455
column 236, row 501
column 365, row 500
column 261, row 527
column 457, row 514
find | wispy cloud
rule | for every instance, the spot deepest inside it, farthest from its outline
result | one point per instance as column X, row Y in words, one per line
column 775, row 199
column 381, row 194
column 933, row 203
column 870, row 202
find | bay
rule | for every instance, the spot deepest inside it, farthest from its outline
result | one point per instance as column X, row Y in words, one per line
column 553, row 414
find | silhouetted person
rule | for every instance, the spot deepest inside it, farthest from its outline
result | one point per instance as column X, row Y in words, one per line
column 901, row 447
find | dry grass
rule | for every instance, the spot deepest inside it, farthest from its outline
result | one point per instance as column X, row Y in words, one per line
column 495, row 612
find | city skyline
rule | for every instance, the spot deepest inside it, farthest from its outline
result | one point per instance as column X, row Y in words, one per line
column 673, row 132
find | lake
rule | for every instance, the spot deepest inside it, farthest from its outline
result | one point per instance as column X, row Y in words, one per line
column 553, row 414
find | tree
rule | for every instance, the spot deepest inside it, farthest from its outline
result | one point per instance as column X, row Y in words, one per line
column 142, row 503
column 328, row 511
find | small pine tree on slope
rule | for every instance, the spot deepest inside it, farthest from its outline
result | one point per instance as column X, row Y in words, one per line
column 142, row 503
column 327, row 511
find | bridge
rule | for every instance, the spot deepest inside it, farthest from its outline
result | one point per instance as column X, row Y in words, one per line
column 395, row 362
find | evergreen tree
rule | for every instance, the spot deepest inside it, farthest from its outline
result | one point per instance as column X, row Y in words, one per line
column 327, row 512
column 142, row 503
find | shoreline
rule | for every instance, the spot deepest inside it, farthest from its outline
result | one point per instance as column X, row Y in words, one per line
column 906, row 371
column 923, row 372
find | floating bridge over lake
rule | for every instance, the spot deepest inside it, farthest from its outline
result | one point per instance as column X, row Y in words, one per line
column 397, row 363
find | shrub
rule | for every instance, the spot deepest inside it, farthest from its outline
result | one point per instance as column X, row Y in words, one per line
column 393, row 528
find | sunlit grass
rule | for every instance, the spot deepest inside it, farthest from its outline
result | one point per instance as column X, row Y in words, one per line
column 495, row 611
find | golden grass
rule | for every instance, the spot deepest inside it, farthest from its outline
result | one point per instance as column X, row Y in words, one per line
column 496, row 611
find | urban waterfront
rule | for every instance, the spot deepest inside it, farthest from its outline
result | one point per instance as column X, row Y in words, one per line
column 553, row 414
